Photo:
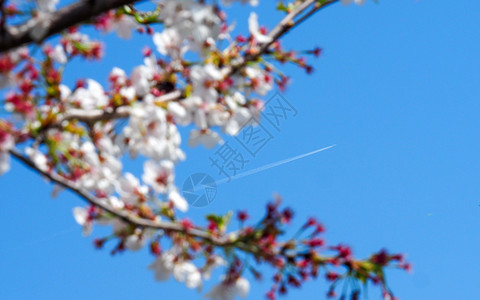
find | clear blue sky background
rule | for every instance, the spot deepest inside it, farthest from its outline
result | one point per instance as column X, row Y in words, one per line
column 396, row 90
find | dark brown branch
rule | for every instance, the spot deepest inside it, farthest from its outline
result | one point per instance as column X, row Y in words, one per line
column 3, row 17
column 62, row 19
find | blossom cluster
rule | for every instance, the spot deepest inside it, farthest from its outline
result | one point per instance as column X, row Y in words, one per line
column 199, row 74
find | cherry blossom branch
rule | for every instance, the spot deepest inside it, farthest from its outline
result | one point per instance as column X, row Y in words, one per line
column 301, row 257
column 62, row 19
column 227, row 240
column 103, row 115
column 86, row 158
column 223, row 241
column 282, row 28
column 94, row 115
column 123, row 215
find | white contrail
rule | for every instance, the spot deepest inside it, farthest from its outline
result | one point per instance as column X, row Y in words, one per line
column 271, row 165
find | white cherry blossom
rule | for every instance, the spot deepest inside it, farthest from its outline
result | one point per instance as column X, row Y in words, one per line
column 235, row 100
column 358, row 2
column 237, row 121
column 124, row 25
column 149, row 133
column 137, row 240
column 202, row 79
column 216, row 115
column 179, row 112
column 169, row 43
column 65, row 92
column 159, row 176
column 188, row 273
column 118, row 226
column 261, row 81
column 47, row 5
column 254, row 29
column 81, row 216
column 104, row 169
column 38, row 158
column 130, row 189
column 118, row 76
column 40, row 25
column 142, row 75
column 208, row 138
column 194, row 23
column 6, row 143
column 178, row 201
column 4, row 162
column 251, row 2
column 59, row 55
column 214, row 262
column 165, row 265
column 224, row 291
column 89, row 98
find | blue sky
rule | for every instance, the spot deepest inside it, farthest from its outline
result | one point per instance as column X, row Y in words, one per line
column 396, row 90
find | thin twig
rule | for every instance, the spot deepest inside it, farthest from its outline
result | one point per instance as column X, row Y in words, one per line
column 282, row 28
column 315, row 9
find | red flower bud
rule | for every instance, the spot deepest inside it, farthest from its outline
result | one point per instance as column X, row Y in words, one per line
column 316, row 242
column 147, row 51
column 187, row 224
column 293, row 281
column 242, row 215
column 319, row 228
column 241, row 39
column 270, row 295
column 317, row 52
column 99, row 243
column 282, row 290
column 380, row 258
column 332, row 276
column 310, row 222
column 331, row 293
column 155, row 248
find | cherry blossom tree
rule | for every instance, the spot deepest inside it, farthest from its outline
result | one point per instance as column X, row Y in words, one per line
column 78, row 137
